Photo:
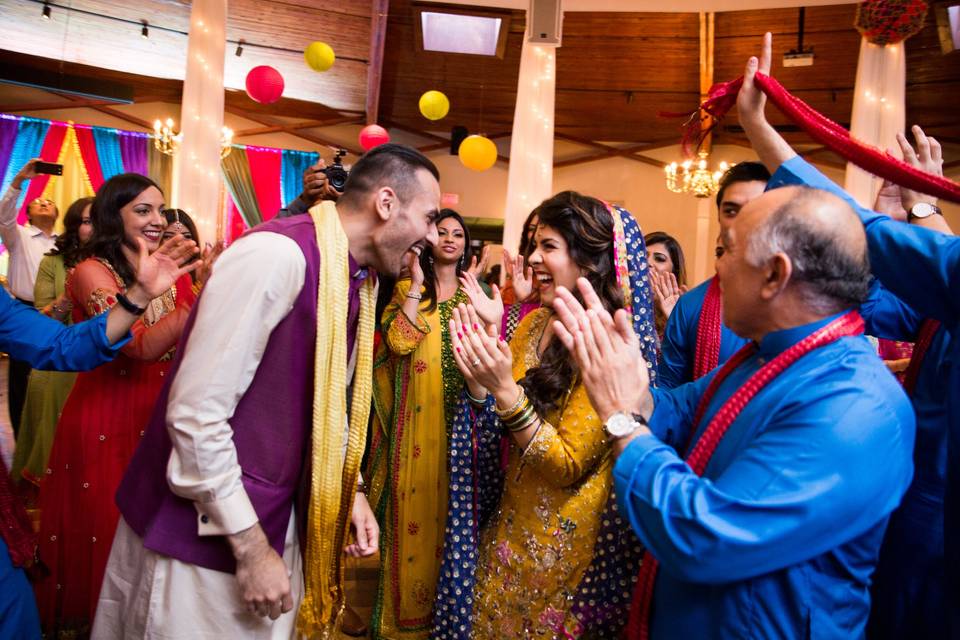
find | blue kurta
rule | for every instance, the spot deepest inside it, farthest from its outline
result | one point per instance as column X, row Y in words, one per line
column 45, row 344
column 679, row 347
column 780, row 535
column 909, row 598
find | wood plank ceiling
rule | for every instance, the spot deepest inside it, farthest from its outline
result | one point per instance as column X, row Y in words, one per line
column 615, row 71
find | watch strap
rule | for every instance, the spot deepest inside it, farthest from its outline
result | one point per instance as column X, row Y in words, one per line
column 124, row 302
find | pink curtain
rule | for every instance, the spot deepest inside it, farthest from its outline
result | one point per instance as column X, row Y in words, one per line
column 265, row 172
column 88, row 151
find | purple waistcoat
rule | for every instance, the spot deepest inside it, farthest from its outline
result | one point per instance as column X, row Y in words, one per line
column 271, row 430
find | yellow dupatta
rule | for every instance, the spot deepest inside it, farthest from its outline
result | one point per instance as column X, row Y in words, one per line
column 334, row 477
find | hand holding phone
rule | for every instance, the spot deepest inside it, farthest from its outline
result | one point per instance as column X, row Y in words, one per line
column 50, row 168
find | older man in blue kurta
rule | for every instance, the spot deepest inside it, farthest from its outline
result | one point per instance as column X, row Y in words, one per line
column 756, row 489
column 922, row 267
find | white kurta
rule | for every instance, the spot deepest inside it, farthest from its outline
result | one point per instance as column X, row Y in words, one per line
column 147, row 595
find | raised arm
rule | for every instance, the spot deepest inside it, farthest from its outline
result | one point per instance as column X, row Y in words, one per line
column 920, row 266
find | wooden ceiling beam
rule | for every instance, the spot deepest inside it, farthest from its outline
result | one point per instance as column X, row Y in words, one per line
column 47, row 106
column 271, row 122
column 611, row 152
column 378, row 36
column 423, row 134
column 295, row 126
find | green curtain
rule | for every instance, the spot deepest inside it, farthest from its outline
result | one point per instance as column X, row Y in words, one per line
column 236, row 173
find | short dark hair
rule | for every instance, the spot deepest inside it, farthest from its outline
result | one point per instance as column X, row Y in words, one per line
column 391, row 162
column 108, row 233
column 832, row 277
column 68, row 242
column 742, row 172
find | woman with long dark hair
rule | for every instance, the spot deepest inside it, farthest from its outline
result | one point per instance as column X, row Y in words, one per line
column 554, row 559
column 108, row 408
column 47, row 391
column 417, row 387
column 668, row 274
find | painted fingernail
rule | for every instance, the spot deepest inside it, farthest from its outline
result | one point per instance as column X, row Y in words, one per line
column 459, row 335
column 458, row 349
column 475, row 327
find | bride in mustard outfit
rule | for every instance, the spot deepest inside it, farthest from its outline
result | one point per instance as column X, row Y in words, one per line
column 556, row 560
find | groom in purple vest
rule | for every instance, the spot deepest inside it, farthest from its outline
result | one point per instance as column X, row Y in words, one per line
column 214, row 504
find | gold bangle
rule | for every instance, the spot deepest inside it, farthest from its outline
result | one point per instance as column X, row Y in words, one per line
column 512, row 410
column 417, row 297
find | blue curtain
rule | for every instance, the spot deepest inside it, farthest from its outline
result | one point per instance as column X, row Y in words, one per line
column 292, row 166
column 30, row 136
column 108, row 151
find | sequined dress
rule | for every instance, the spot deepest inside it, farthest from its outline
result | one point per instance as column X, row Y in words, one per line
column 535, row 546
column 99, row 429
column 417, row 387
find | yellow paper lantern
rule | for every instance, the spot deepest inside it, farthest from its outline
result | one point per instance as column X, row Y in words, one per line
column 434, row 105
column 478, row 153
column 319, row 56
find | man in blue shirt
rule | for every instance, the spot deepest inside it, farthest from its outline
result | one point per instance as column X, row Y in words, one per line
column 915, row 264
column 776, row 533
column 47, row 344
column 739, row 185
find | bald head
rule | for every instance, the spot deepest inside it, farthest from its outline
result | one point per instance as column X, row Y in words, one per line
column 823, row 239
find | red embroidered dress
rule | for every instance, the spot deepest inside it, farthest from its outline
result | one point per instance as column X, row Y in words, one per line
column 99, row 429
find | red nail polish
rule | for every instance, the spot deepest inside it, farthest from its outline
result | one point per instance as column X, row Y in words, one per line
column 475, row 327
column 458, row 349
column 459, row 336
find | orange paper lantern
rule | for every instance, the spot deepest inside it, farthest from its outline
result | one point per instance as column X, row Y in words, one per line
column 478, row 153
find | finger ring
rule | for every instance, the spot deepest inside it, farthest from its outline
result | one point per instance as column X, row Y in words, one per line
column 476, row 362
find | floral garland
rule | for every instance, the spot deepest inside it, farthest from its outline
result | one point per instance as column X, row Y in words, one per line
column 885, row 22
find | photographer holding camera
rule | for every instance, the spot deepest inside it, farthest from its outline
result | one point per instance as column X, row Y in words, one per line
column 320, row 182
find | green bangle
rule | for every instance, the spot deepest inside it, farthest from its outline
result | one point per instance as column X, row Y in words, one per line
column 523, row 416
column 475, row 401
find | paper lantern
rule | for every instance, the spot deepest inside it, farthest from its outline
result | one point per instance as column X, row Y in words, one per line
column 319, row 56
column 373, row 135
column 478, row 153
column 434, row 105
column 264, row 84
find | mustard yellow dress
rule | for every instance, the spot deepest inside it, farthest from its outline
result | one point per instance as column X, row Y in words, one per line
column 416, row 389
column 535, row 552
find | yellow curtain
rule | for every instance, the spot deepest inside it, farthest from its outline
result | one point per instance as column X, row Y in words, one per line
column 74, row 183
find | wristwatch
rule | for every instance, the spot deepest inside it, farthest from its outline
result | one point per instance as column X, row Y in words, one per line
column 923, row 210
column 621, row 425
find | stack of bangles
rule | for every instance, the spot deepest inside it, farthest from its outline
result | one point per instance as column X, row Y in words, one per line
column 520, row 416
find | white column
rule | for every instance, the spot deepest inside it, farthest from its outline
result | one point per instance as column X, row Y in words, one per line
column 197, row 172
column 878, row 110
column 705, row 256
column 530, row 178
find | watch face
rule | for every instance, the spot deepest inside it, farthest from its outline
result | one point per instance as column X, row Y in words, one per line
column 922, row 210
column 620, row 425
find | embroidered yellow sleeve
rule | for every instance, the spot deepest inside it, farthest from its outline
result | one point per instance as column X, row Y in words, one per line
column 566, row 453
column 402, row 335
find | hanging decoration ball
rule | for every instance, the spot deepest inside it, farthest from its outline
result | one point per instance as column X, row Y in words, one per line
column 884, row 22
column 319, row 56
column 264, row 84
column 478, row 153
column 434, row 105
column 373, row 135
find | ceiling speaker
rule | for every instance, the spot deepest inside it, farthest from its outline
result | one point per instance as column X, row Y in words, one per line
column 544, row 21
column 457, row 135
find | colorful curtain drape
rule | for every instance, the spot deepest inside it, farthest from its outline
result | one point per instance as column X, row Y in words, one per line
column 293, row 165
column 260, row 180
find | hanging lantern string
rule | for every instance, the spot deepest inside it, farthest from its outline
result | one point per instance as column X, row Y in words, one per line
column 723, row 97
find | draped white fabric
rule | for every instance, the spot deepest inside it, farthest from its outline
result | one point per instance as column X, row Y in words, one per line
column 530, row 178
column 197, row 179
column 878, row 110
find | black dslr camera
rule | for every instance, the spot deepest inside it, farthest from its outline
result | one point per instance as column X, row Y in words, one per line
column 336, row 174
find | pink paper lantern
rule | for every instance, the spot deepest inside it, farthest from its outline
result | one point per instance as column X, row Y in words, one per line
column 264, row 84
column 373, row 135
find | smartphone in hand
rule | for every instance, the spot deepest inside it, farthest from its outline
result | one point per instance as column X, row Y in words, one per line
column 51, row 168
